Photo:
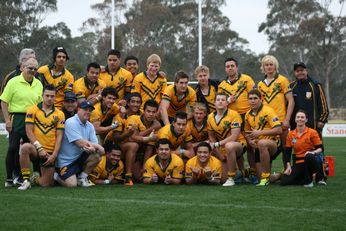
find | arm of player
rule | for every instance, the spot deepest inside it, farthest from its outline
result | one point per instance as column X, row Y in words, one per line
column 101, row 130
column 235, row 132
column 212, row 139
column 164, row 105
column 51, row 159
column 253, row 134
column 290, row 107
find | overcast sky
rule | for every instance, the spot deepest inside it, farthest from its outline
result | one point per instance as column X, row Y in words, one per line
column 245, row 16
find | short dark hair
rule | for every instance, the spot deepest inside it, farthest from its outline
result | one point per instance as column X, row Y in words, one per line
column 151, row 103
column 301, row 111
column 131, row 57
column 109, row 91
column 134, row 94
column 204, row 144
column 255, row 92
column 114, row 52
column 180, row 75
column 180, row 115
column 164, row 141
column 109, row 146
column 231, row 59
column 49, row 87
column 94, row 65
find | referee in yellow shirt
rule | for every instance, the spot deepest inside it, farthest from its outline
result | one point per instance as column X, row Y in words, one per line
column 20, row 93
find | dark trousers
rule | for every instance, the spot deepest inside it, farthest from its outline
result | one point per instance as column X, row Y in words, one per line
column 17, row 133
column 302, row 173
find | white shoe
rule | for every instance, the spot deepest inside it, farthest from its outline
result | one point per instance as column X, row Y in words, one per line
column 321, row 182
column 17, row 181
column 229, row 182
column 25, row 185
column 84, row 182
column 310, row 185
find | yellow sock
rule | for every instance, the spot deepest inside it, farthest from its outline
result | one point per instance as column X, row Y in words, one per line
column 25, row 173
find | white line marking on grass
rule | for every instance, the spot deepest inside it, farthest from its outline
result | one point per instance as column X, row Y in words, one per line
column 182, row 204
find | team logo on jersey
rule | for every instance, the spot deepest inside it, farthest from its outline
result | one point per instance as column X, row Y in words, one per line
column 262, row 120
column 121, row 80
column 226, row 124
column 294, row 140
column 277, row 87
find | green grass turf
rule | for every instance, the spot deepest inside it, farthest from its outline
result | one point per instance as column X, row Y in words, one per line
column 183, row 207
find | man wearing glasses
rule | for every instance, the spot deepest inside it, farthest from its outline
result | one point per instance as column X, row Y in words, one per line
column 19, row 94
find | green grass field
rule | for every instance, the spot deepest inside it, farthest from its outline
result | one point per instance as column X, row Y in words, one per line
column 161, row 207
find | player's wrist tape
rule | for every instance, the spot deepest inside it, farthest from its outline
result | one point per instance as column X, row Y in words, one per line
column 181, row 151
column 146, row 139
column 37, row 145
column 114, row 124
column 106, row 181
column 217, row 144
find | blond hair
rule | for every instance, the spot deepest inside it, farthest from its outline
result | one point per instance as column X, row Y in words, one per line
column 201, row 68
column 269, row 59
column 154, row 58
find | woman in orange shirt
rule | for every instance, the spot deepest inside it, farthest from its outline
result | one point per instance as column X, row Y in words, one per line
column 306, row 144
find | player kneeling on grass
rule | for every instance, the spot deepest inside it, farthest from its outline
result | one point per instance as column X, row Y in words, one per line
column 80, row 151
column 164, row 166
column 225, row 137
column 110, row 168
column 203, row 168
column 262, row 128
column 44, row 125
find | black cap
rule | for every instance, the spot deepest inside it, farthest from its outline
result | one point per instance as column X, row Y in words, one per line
column 56, row 50
column 86, row 104
column 300, row 64
column 70, row 95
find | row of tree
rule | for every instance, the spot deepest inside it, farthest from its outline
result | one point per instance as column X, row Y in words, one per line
column 298, row 30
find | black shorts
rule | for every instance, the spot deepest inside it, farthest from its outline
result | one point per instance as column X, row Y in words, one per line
column 73, row 168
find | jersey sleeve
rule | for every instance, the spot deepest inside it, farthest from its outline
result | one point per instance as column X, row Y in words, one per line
column 178, row 171
column 167, row 94
column 30, row 115
column 236, row 122
column 273, row 119
column 315, row 138
column 136, row 86
column 188, row 171
column 148, row 169
column 61, row 121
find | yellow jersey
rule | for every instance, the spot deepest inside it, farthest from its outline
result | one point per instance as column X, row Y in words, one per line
column 62, row 82
column 198, row 134
column 102, row 173
column 120, row 81
column 264, row 119
column 174, row 168
column 167, row 132
column 45, row 126
column 149, row 89
column 214, row 164
column 103, row 115
column 240, row 89
column 176, row 104
column 222, row 129
column 83, row 90
column 273, row 94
